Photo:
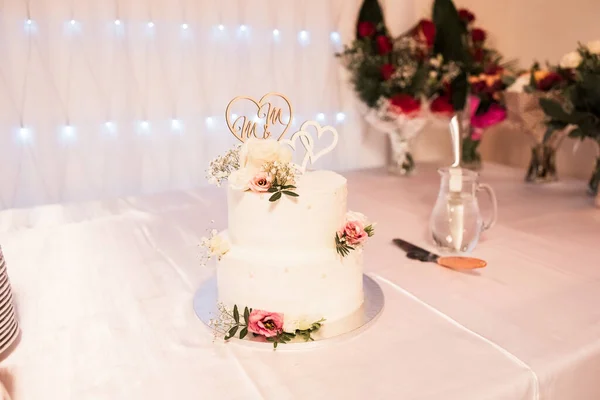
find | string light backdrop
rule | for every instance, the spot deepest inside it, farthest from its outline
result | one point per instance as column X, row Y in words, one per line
column 125, row 97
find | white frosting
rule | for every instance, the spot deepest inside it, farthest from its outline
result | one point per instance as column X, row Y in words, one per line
column 302, row 285
column 283, row 257
column 300, row 223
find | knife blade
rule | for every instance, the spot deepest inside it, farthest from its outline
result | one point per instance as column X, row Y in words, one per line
column 454, row 262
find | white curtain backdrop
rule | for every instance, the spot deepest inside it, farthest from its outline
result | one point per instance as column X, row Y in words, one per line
column 120, row 97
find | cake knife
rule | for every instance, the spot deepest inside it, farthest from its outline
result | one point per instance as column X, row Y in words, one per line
column 453, row 262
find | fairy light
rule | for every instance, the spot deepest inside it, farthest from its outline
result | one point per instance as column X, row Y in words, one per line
column 335, row 37
column 117, row 22
column 276, row 33
column 320, row 117
column 340, row 117
column 303, row 37
column 221, row 27
column 176, row 124
column 184, row 26
column 150, row 24
column 24, row 135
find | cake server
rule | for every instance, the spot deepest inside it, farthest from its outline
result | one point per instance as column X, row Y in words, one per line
column 455, row 203
column 454, row 262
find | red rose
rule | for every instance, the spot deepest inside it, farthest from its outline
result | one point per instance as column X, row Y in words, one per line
column 549, row 81
column 384, row 44
column 466, row 15
column 405, row 104
column 493, row 69
column 387, row 70
column 426, row 32
column 442, row 105
column 479, row 87
column 478, row 35
column 366, row 28
column 478, row 54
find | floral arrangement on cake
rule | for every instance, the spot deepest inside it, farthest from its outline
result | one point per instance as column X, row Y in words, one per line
column 394, row 78
column 258, row 165
column 353, row 234
column 271, row 326
column 580, row 106
column 214, row 245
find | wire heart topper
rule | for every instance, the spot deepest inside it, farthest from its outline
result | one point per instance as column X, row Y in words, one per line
column 308, row 142
column 268, row 114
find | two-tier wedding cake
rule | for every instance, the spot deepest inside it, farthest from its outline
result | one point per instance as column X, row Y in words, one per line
column 291, row 258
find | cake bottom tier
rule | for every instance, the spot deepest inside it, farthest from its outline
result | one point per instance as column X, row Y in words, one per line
column 303, row 286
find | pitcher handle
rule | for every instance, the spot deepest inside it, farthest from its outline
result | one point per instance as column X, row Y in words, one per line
column 487, row 188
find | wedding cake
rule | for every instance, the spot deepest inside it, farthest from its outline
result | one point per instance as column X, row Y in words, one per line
column 291, row 257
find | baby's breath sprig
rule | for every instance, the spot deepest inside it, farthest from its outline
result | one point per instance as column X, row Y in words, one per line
column 221, row 167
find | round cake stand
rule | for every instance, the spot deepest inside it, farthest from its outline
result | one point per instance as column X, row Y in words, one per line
column 205, row 306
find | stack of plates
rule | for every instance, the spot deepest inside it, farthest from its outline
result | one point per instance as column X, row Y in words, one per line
column 9, row 327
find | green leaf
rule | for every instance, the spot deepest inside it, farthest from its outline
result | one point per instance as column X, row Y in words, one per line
column 275, row 197
column 287, row 192
column 554, row 110
column 231, row 332
column 246, row 315
column 236, row 314
column 450, row 32
column 288, row 187
column 274, row 345
column 243, row 333
column 272, row 189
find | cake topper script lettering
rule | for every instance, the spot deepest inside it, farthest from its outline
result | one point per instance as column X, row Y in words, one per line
column 244, row 127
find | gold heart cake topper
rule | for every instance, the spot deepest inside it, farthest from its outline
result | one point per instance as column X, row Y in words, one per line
column 267, row 112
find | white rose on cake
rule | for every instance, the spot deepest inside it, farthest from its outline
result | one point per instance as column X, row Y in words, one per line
column 571, row 60
column 594, row 47
column 257, row 152
column 302, row 323
column 240, row 179
column 216, row 245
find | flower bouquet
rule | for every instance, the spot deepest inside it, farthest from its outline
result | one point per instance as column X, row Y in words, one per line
column 522, row 103
column 581, row 106
column 393, row 78
column 484, row 78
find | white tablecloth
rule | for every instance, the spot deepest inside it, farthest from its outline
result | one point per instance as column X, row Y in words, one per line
column 104, row 292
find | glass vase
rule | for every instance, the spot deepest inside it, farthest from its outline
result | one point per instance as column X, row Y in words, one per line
column 401, row 160
column 594, row 182
column 542, row 167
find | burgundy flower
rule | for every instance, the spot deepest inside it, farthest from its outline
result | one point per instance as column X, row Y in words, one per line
column 549, row 81
column 387, row 70
column 442, row 105
column 479, row 87
column 493, row 69
column 384, row 44
column 466, row 15
column 478, row 54
column 426, row 32
column 366, row 28
column 405, row 104
column 478, row 35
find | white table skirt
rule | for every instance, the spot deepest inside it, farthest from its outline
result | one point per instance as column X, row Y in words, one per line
column 104, row 292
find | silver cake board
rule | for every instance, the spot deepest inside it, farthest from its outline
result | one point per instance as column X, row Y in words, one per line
column 205, row 306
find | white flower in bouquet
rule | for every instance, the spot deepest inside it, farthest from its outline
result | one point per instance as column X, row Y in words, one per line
column 571, row 60
column 594, row 47
column 519, row 84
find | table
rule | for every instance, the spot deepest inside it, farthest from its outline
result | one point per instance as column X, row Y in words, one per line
column 104, row 290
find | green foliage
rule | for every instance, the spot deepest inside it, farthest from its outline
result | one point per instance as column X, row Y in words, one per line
column 277, row 189
column 370, row 11
column 341, row 246
column 306, row 333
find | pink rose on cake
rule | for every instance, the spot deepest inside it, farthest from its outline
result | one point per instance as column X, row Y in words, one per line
column 261, row 182
column 353, row 234
column 255, row 153
column 265, row 323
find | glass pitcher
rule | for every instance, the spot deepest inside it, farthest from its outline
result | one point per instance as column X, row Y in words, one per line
column 456, row 222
